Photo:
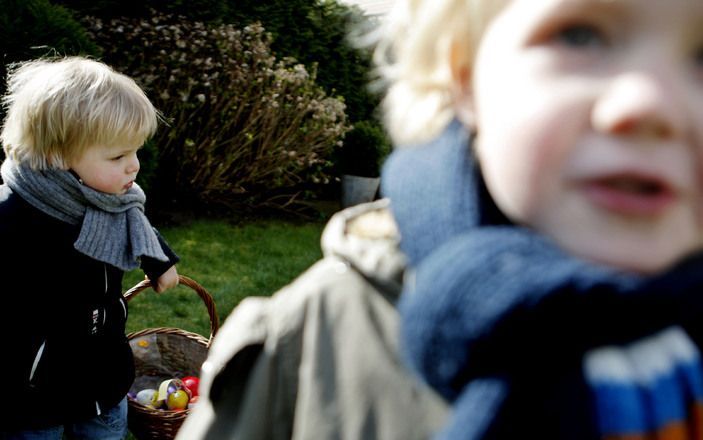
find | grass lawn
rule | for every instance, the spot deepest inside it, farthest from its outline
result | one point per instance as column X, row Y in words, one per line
column 229, row 261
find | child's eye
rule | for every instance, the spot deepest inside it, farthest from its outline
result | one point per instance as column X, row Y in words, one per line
column 581, row 36
column 118, row 157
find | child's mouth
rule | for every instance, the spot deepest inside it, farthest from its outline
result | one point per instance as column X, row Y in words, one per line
column 631, row 194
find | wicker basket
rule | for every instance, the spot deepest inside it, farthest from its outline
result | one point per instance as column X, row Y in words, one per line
column 165, row 353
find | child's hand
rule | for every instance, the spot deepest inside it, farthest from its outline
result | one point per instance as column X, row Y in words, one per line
column 167, row 280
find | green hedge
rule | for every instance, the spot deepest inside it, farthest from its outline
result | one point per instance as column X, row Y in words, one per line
column 35, row 28
column 211, row 11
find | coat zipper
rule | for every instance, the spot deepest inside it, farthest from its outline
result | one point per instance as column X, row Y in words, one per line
column 124, row 307
column 37, row 358
column 98, row 411
column 105, row 312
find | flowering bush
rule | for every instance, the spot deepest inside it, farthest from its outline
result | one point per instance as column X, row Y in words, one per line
column 245, row 130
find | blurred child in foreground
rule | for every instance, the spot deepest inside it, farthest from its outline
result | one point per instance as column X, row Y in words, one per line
column 547, row 191
column 554, row 220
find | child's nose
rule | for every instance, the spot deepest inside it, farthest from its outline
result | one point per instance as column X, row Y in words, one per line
column 133, row 165
column 642, row 104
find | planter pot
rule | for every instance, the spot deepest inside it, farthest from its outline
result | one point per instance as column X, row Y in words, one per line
column 357, row 189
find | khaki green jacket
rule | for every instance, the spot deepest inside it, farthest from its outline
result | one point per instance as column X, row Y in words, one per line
column 319, row 359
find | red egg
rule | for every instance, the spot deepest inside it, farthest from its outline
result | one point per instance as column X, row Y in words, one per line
column 192, row 383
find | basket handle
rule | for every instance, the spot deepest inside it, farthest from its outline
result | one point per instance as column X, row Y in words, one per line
column 200, row 290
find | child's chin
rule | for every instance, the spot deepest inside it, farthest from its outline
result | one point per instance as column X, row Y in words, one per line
column 628, row 256
column 639, row 263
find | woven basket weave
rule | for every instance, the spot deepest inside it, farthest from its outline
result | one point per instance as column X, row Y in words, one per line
column 165, row 353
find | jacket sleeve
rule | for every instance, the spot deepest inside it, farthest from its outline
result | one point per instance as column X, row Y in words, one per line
column 154, row 268
column 318, row 359
column 30, row 304
column 244, row 393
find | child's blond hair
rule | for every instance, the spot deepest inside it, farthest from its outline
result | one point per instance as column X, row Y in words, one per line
column 56, row 109
column 414, row 52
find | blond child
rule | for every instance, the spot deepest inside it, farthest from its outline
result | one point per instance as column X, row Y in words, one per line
column 547, row 191
column 71, row 222
column 550, row 201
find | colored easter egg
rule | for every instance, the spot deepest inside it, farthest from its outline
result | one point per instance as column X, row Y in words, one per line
column 168, row 386
column 163, row 392
column 177, row 400
column 147, row 397
column 191, row 383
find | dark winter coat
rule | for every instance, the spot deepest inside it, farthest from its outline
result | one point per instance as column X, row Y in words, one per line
column 63, row 322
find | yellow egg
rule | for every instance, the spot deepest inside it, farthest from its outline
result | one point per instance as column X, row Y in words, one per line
column 177, row 400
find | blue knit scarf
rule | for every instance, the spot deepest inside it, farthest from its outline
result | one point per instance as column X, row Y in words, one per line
column 523, row 339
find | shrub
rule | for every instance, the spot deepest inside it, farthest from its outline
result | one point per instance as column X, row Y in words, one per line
column 149, row 165
column 315, row 32
column 202, row 10
column 35, row 28
column 343, row 67
column 364, row 149
column 246, row 131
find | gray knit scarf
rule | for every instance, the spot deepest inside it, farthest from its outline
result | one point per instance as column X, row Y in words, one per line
column 114, row 229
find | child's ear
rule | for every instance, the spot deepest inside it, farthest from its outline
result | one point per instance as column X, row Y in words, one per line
column 462, row 93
